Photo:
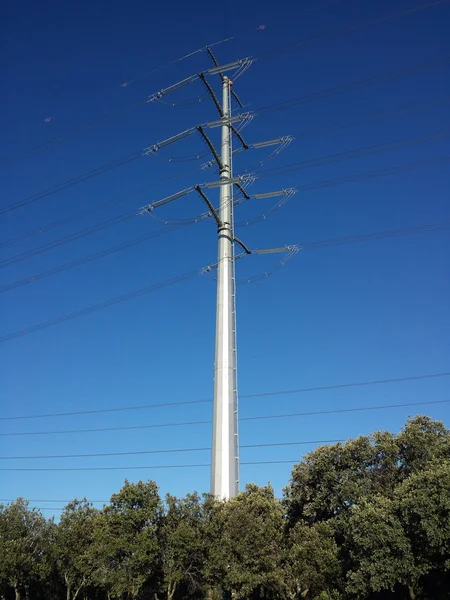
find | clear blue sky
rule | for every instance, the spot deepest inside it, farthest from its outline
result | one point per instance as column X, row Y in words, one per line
column 368, row 311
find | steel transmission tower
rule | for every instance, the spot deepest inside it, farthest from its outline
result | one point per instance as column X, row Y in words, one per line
column 225, row 459
column 225, row 443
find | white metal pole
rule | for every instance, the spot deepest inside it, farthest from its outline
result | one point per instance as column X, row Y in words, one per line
column 225, row 467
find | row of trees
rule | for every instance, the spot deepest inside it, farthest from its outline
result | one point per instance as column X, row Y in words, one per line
column 366, row 519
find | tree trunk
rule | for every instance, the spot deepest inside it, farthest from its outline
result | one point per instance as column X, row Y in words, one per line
column 412, row 594
column 75, row 596
column 171, row 590
column 18, row 594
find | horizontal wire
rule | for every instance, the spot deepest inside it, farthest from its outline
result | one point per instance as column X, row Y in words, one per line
column 318, row 161
column 60, row 501
column 100, row 305
column 194, row 423
column 71, row 182
column 255, row 395
column 376, row 236
column 352, row 85
column 292, row 47
column 277, row 106
column 178, row 466
column 73, row 134
column 58, row 508
column 149, row 289
column 111, row 116
column 88, row 211
column 355, row 85
column 357, row 153
column 259, row 462
column 91, row 257
column 350, row 28
column 77, row 235
column 167, row 451
column 375, row 117
column 354, row 178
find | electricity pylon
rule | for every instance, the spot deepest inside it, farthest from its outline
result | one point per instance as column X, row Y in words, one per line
column 225, row 443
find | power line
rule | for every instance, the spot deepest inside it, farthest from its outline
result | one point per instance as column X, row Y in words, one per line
column 100, row 305
column 181, row 466
column 195, row 423
column 71, row 182
column 355, row 85
column 116, row 114
column 357, row 153
column 91, row 257
column 167, row 451
column 177, row 466
column 319, row 161
column 274, row 107
column 58, row 508
column 375, row 117
column 343, row 410
column 290, row 48
column 358, row 177
column 60, row 501
column 350, row 28
column 83, row 213
column 149, row 289
column 255, row 395
column 69, row 238
column 375, row 236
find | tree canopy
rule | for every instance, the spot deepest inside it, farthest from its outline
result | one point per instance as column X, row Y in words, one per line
column 365, row 519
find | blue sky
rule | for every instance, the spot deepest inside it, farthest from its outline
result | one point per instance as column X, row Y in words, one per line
column 339, row 314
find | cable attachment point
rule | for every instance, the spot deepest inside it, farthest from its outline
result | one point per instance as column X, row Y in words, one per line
column 207, row 269
column 212, row 210
column 243, row 246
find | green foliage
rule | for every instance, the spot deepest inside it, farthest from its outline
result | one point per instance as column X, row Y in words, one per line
column 24, row 535
column 368, row 519
column 247, row 560
column 124, row 555
column 73, row 539
column 312, row 567
column 184, row 546
column 334, row 478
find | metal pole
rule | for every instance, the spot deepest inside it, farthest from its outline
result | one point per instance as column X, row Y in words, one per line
column 224, row 472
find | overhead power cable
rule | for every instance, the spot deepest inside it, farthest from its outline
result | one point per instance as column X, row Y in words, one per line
column 357, row 153
column 110, row 222
column 319, row 161
column 208, row 422
column 289, row 48
column 116, row 114
column 355, row 85
column 375, row 236
column 350, row 28
column 149, row 289
column 321, row 388
column 57, row 501
column 100, row 305
column 71, row 182
column 373, row 118
column 126, row 468
column 71, row 237
column 274, row 107
column 354, row 178
column 165, row 451
column 134, row 468
column 83, row 213
column 86, row 259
